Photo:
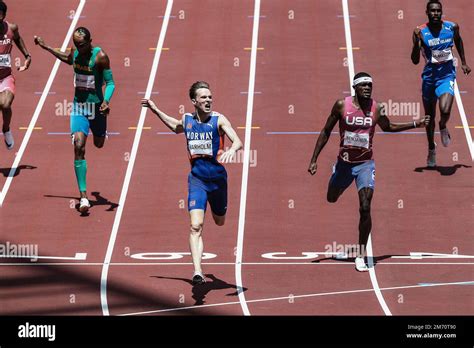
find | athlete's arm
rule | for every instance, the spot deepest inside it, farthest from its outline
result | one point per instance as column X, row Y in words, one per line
column 460, row 47
column 336, row 114
column 415, row 52
column 65, row 57
column 170, row 122
column 103, row 64
column 226, row 127
column 21, row 46
column 387, row 126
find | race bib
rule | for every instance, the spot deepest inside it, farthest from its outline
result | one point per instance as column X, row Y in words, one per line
column 441, row 56
column 200, row 147
column 84, row 81
column 5, row 61
column 356, row 139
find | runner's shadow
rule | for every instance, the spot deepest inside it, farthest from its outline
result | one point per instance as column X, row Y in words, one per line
column 444, row 171
column 200, row 291
column 99, row 200
column 6, row 171
column 352, row 259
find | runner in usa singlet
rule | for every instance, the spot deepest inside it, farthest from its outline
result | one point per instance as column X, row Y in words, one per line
column 356, row 129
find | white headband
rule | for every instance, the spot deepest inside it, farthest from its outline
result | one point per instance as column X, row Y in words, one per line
column 362, row 79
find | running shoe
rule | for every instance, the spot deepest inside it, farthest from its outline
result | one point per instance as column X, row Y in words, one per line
column 360, row 264
column 84, row 205
column 198, row 279
column 431, row 160
column 445, row 137
column 9, row 142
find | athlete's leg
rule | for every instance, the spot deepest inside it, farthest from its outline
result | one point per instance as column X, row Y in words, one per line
column 430, row 109
column 365, row 220
column 196, row 244
column 98, row 125
column 6, row 100
column 218, row 202
column 197, row 203
column 445, row 93
column 341, row 179
column 445, row 105
column 80, row 164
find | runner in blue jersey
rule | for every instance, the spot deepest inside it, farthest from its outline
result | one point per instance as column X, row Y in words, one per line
column 435, row 40
column 207, row 182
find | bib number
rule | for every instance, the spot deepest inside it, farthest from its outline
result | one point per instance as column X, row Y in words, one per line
column 441, row 56
column 5, row 61
column 84, row 81
column 200, row 147
column 356, row 139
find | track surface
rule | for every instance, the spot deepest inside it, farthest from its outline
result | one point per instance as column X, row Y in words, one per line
column 300, row 72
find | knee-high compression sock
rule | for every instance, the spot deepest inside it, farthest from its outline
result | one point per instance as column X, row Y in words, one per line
column 80, row 167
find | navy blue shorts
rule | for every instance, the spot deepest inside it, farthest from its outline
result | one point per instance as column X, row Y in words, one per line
column 202, row 191
column 344, row 173
column 433, row 89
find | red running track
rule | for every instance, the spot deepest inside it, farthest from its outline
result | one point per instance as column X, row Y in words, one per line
column 301, row 70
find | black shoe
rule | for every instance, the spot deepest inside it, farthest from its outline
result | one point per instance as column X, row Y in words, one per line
column 198, row 279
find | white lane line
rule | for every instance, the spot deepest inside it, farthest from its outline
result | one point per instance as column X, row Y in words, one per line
column 465, row 124
column 350, row 58
column 133, row 155
column 286, row 298
column 347, row 31
column 351, row 264
column 246, row 162
column 39, row 107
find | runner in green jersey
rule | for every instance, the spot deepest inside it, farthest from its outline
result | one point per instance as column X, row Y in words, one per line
column 91, row 105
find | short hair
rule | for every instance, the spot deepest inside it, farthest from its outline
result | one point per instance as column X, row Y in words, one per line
column 195, row 86
column 361, row 74
column 83, row 32
column 3, row 7
column 430, row 2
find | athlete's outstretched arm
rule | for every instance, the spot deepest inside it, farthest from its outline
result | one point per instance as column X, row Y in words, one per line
column 226, row 127
column 460, row 47
column 387, row 126
column 65, row 57
column 21, row 46
column 336, row 114
column 170, row 122
column 415, row 52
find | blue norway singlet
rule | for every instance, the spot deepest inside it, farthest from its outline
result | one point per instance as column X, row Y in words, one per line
column 203, row 143
column 438, row 51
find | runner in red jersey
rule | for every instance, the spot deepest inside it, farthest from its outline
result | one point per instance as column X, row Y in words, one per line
column 357, row 117
column 8, row 34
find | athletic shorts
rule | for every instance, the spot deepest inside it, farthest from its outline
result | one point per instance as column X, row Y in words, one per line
column 7, row 83
column 85, row 116
column 344, row 173
column 202, row 191
column 434, row 88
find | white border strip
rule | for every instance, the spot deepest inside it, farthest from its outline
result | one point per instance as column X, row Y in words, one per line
column 133, row 156
column 465, row 124
column 373, row 277
column 39, row 107
column 292, row 297
column 246, row 163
